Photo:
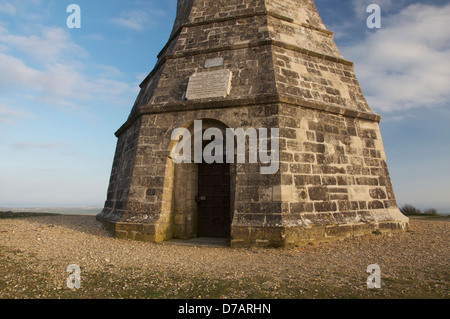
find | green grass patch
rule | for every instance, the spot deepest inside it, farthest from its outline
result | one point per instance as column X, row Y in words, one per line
column 11, row 215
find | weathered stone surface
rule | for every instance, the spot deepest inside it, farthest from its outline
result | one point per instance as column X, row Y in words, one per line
column 209, row 84
column 214, row 62
column 259, row 64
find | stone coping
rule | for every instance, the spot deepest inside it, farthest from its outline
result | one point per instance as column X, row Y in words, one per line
column 243, row 45
column 239, row 17
column 186, row 106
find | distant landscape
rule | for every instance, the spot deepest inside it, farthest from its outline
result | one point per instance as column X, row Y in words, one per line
column 408, row 210
column 411, row 211
column 55, row 210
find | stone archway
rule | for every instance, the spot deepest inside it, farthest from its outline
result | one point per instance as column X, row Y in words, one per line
column 203, row 194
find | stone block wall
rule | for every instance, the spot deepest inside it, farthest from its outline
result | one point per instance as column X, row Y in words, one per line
column 318, row 80
column 121, row 174
column 302, row 12
column 250, row 67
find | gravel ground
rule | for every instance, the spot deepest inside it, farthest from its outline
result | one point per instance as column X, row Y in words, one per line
column 35, row 253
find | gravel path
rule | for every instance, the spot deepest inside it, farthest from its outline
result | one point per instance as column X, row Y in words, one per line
column 35, row 253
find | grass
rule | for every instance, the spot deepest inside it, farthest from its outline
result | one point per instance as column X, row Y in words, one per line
column 429, row 217
column 426, row 215
column 20, row 279
column 8, row 215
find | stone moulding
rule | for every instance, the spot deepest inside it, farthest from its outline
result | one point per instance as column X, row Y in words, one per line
column 313, row 229
column 261, row 100
column 239, row 17
column 267, row 42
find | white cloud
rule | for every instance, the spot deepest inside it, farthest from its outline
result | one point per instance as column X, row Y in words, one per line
column 14, row 73
column 406, row 64
column 95, row 37
column 50, row 44
column 56, row 78
column 29, row 146
column 7, row 113
column 135, row 20
column 8, row 8
column 58, row 84
column 138, row 19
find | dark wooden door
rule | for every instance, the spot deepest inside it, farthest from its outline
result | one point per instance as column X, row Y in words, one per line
column 214, row 216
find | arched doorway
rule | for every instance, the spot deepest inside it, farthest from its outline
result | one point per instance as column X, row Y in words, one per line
column 203, row 193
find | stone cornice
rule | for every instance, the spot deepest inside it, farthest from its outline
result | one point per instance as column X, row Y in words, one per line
column 243, row 45
column 239, row 17
column 162, row 59
column 210, row 104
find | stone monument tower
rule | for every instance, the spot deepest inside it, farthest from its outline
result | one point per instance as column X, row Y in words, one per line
column 251, row 64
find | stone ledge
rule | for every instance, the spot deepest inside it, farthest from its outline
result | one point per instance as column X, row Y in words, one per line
column 239, row 17
column 282, row 235
column 205, row 104
column 267, row 42
column 259, row 43
column 289, row 237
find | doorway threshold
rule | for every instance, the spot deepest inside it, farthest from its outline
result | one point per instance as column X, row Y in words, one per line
column 199, row 242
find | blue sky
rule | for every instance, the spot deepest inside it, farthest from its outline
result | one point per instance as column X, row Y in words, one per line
column 64, row 92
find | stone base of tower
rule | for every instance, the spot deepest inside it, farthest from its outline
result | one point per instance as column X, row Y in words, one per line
column 147, row 232
column 332, row 182
column 321, row 227
column 292, row 231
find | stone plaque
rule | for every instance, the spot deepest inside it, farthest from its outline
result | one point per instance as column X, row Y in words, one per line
column 210, row 84
column 211, row 63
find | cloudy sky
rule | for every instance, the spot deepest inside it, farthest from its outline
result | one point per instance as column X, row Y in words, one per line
column 64, row 92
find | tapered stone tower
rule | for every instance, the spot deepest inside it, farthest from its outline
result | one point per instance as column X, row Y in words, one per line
column 252, row 64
